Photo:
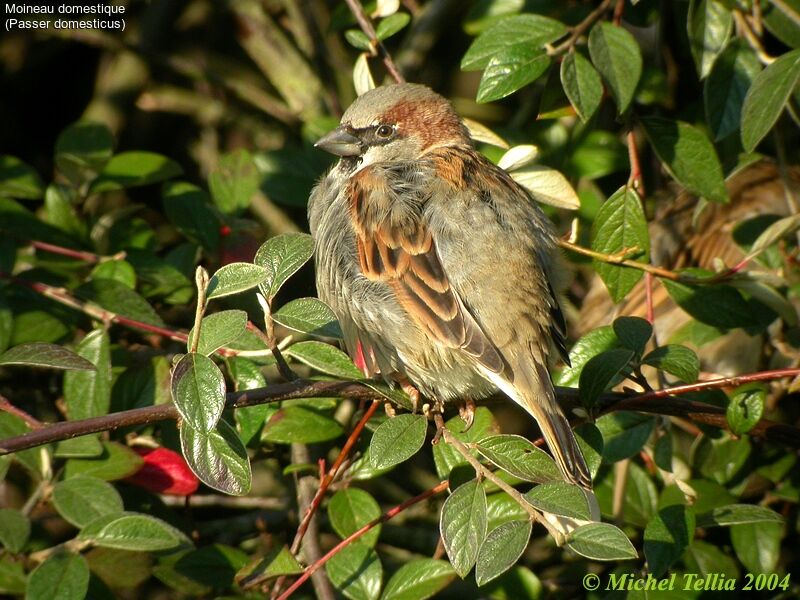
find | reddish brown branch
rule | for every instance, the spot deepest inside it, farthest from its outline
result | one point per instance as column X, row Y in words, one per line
column 369, row 30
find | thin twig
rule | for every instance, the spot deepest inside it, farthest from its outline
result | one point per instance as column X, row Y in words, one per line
column 751, row 37
column 620, row 259
column 89, row 257
column 369, row 30
column 580, row 29
column 30, row 420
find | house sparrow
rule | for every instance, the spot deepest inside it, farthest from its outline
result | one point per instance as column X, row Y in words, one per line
column 437, row 263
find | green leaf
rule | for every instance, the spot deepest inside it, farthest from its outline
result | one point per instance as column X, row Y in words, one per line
column 297, row 424
column 133, row 169
column 133, row 531
column 519, row 32
column 12, row 426
column 463, row 524
column 588, row 346
column 356, row 572
column 282, row 256
column 705, row 559
column 667, row 536
column 560, row 498
column 624, row 434
column 214, row 566
column 234, row 182
column 675, row 360
column 746, row 407
column 118, row 270
column 722, row 459
column 88, row 393
column 82, row 150
column 616, row 55
column 39, row 354
column 352, row 508
column 63, row 575
column 601, row 541
column 726, row 86
column 325, row 359
column 519, row 457
column 511, row 69
column 737, row 514
column 247, row 376
column 767, row 96
column 358, row 39
column 502, row 508
column 758, row 545
column 445, row 457
column 198, row 391
column 83, row 499
column 309, row 315
column 590, row 441
column 220, row 329
column 60, row 210
column 15, row 528
column 397, row 439
column 603, row 372
column 13, row 578
column 235, row 278
column 218, row 458
column 418, row 580
column 119, row 299
column 781, row 21
column 18, row 179
column 582, row 85
column 641, row 496
column 392, row 24
column 620, row 226
column 188, row 209
column 501, row 550
column 716, row 305
column 709, row 27
column 633, row 333
column 279, row 561
column 688, row 156
column 116, row 462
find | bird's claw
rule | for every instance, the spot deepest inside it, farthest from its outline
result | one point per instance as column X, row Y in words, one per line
column 467, row 413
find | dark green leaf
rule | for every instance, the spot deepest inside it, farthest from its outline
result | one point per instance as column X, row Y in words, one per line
column 63, row 575
column 198, row 391
column 133, row 531
column 12, row 426
column 88, row 393
column 13, row 578
column 688, row 156
column 590, row 441
column 297, row 424
column 132, row 169
column 234, row 182
column 463, row 524
column 616, row 55
column 397, row 439
column 758, row 545
column 501, row 550
column 601, row 541
column 667, row 536
column 560, row 498
column 116, row 462
column 590, row 345
column 581, row 84
column 418, row 580
column 309, row 315
column 234, row 278
column 705, row 559
column 603, row 372
column 325, row 359
column 709, row 27
column 82, row 499
column 15, row 528
column 356, row 572
column 60, row 210
column 218, row 458
column 220, row 329
column 19, row 180
column 746, row 407
column 119, row 299
column 282, row 256
column 392, row 24
column 511, row 69
column 350, row 509
column 737, row 514
column 725, row 88
column 633, row 333
column 620, row 226
column 214, row 566
column 675, row 360
column 188, row 209
column 781, row 20
column 767, row 96
column 279, row 561
column 82, row 150
column 641, row 496
column 722, row 459
column 518, row 456
column 38, row 354
column 624, row 434
column 718, row 305
column 247, row 376
column 517, row 32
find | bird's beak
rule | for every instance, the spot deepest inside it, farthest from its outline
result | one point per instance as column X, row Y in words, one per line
column 340, row 143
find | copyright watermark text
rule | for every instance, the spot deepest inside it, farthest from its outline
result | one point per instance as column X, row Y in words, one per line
column 687, row 582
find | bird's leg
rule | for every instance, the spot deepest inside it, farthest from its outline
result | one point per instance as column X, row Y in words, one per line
column 467, row 413
column 388, row 407
column 408, row 388
column 435, row 412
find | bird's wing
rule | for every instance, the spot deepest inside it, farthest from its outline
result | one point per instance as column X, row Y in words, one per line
column 395, row 246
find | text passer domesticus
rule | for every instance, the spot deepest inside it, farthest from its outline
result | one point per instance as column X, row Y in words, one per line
column 436, row 262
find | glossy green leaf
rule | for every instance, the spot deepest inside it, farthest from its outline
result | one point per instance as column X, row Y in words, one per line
column 118, row 270
column 133, row 169
column 220, row 329
column 722, row 459
column 560, row 498
column 282, row 256
column 582, row 85
column 518, row 456
column 62, row 575
column 667, row 536
column 397, row 439
column 521, row 32
column 502, row 508
column 616, row 55
column 463, row 524
column 726, row 86
column 511, row 69
column 234, row 182
column 588, row 346
column 188, row 208
column 350, row 509
column 133, row 531
column 119, row 299
column 716, row 305
column 88, row 393
column 624, row 434
column 297, row 424
column 309, row 315
column 358, row 39
column 746, row 407
column 601, row 541
column 767, row 97
column 279, row 561
column 633, row 333
column 15, row 528
column 418, row 580
column 782, row 22
column 501, row 550
column 603, row 372
column 116, row 462
column 198, row 391
column 758, row 545
column 392, row 24
column 325, row 359
column 82, row 150
column 620, row 226
column 590, row 441
column 709, row 27
column 18, row 179
column 445, row 457
column 218, row 458
column 247, row 375
column 83, row 499
column 688, row 155
column 675, row 360
column 356, row 572
column 737, row 514
column 235, row 278
column 51, row 356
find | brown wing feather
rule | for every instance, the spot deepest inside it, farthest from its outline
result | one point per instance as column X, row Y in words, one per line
column 402, row 252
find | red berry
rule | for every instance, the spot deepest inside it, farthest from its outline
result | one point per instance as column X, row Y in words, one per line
column 164, row 472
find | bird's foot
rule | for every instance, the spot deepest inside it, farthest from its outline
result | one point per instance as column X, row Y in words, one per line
column 388, row 408
column 467, row 413
column 410, row 389
column 435, row 412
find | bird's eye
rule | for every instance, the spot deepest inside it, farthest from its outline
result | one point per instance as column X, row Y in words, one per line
column 384, row 131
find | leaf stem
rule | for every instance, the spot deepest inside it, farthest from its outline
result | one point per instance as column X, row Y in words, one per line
column 580, row 29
